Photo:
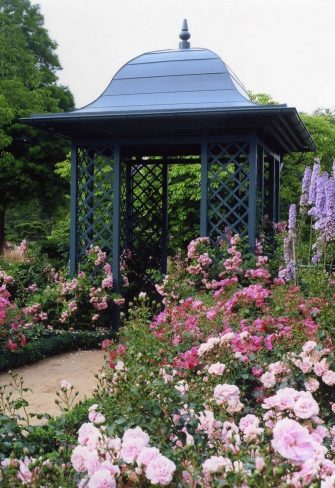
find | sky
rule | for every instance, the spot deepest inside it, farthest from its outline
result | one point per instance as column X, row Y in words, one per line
column 282, row 47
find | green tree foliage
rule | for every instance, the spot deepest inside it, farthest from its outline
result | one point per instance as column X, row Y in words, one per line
column 28, row 84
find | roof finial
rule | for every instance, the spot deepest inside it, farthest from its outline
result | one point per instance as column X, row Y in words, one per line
column 184, row 36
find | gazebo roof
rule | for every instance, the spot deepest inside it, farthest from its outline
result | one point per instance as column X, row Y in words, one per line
column 190, row 84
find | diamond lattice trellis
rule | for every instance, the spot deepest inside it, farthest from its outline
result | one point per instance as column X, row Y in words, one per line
column 228, row 188
column 95, row 198
column 146, row 213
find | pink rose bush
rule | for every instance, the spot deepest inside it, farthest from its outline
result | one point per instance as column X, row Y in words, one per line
column 104, row 461
column 231, row 384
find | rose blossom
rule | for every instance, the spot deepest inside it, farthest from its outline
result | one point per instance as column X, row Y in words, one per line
column 225, row 391
column 133, row 442
column 147, row 455
column 160, row 470
column 328, row 377
column 88, row 435
column 311, row 384
column 215, row 464
column 216, row 369
column 292, row 441
column 321, row 367
column 268, row 379
column 102, row 479
column 78, row 458
column 305, row 406
column 247, row 421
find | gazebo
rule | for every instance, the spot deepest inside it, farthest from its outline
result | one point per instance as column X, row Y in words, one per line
column 172, row 107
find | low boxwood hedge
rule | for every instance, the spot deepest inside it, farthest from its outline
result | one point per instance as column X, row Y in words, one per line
column 53, row 344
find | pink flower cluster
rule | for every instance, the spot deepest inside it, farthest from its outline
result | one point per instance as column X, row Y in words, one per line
column 104, row 460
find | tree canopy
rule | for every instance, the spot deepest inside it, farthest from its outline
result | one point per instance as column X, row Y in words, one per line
column 28, row 83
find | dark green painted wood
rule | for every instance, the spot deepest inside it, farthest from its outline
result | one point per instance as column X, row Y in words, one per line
column 73, row 211
column 252, row 193
column 165, row 230
column 204, row 188
column 116, row 218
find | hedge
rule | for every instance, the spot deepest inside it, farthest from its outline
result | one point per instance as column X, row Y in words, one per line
column 50, row 346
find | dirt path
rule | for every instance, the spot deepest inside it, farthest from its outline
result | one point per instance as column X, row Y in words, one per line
column 44, row 377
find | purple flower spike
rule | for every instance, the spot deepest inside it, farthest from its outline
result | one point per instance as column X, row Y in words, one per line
column 313, row 183
column 292, row 218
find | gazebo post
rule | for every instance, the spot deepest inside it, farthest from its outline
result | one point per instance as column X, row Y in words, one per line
column 164, row 218
column 252, row 192
column 116, row 231
column 73, row 211
column 204, row 189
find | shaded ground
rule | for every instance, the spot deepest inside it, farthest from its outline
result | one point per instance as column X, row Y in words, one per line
column 44, row 377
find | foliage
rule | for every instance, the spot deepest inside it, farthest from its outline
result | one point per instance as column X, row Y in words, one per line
column 28, row 83
column 50, row 344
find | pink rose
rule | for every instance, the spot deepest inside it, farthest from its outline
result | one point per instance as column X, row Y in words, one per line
column 89, row 436
column 328, row 377
column 216, row 464
column 216, row 369
column 78, row 458
column 268, row 379
column 134, row 440
column 309, row 346
column 305, row 406
column 247, row 421
column 102, row 479
column 276, row 368
column 160, row 470
column 147, row 455
column 225, row 391
column 292, row 441
column 311, row 384
column 321, row 367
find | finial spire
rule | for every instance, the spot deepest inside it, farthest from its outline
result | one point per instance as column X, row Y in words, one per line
column 184, row 36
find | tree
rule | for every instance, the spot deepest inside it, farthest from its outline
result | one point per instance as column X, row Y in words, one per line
column 28, row 83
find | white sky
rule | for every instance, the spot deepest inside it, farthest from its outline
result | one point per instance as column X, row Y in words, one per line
column 282, row 47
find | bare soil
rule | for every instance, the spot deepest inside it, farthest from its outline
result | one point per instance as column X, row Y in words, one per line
column 44, row 377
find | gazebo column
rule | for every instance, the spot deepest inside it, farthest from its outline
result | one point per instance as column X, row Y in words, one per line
column 116, row 218
column 276, row 215
column 252, row 189
column 73, row 210
column 204, row 189
column 165, row 229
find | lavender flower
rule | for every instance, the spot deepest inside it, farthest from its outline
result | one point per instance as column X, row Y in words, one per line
column 306, row 182
column 313, row 182
column 320, row 201
column 292, row 218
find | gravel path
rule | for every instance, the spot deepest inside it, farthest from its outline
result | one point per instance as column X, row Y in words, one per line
column 44, row 377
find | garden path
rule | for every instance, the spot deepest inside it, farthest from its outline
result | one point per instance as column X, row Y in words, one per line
column 44, row 377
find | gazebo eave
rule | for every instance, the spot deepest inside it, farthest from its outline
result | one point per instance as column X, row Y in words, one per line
column 281, row 124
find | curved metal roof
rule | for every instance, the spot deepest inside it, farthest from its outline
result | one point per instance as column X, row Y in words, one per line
column 175, row 92
column 171, row 80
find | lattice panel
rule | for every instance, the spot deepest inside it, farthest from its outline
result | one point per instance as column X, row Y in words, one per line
column 228, row 188
column 95, row 198
column 145, row 216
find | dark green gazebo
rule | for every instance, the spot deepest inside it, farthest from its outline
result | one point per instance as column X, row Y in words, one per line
column 166, row 107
